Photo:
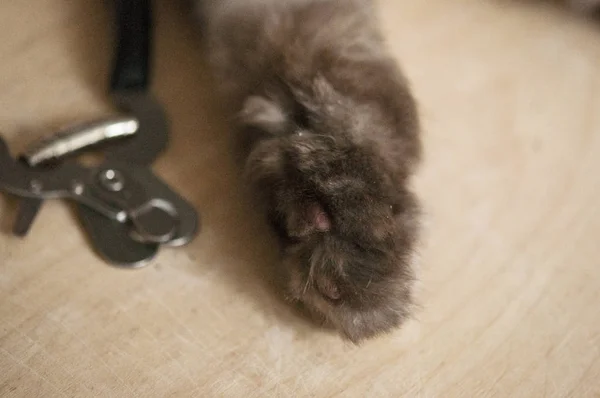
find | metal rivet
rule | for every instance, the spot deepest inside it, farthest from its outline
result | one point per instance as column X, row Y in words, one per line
column 77, row 188
column 112, row 180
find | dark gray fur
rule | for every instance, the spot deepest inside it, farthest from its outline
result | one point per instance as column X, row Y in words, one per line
column 332, row 137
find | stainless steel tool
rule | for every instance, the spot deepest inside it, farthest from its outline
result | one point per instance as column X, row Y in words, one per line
column 125, row 209
column 126, row 195
column 66, row 143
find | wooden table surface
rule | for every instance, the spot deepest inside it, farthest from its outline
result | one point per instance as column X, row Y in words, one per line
column 510, row 276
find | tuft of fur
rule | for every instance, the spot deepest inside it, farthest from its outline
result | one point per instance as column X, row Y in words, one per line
column 332, row 138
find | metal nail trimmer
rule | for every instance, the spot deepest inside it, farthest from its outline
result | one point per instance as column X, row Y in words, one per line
column 127, row 212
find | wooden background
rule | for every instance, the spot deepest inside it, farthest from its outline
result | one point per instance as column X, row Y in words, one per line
column 510, row 266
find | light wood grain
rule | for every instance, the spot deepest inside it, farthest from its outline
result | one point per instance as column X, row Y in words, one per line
column 510, row 277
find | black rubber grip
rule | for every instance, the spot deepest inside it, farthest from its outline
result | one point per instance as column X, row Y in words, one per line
column 131, row 69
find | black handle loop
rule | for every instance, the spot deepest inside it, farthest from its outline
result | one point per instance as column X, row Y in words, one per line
column 131, row 70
